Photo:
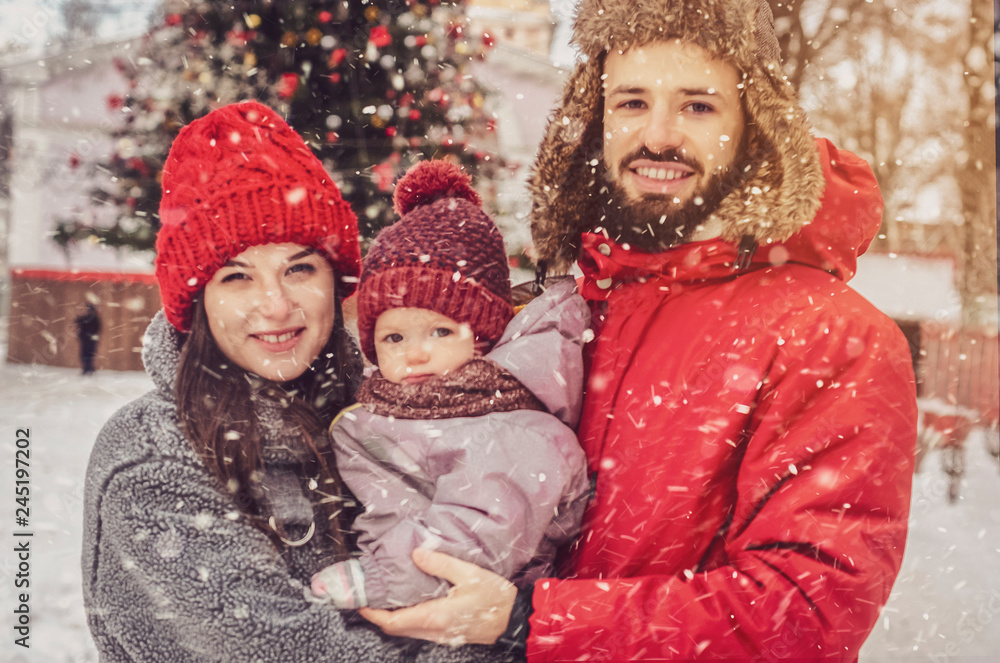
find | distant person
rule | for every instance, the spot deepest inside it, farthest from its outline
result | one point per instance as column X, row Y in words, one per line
column 88, row 331
column 461, row 440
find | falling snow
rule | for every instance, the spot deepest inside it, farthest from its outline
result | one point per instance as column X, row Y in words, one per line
column 945, row 605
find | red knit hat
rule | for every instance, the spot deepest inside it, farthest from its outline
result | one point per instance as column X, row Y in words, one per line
column 444, row 254
column 241, row 177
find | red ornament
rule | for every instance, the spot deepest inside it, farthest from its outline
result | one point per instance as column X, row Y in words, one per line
column 337, row 57
column 138, row 165
column 414, row 115
column 174, row 19
column 380, row 37
column 420, row 40
column 239, row 38
column 289, row 83
column 115, row 101
column 385, row 173
column 332, row 137
column 390, row 132
column 335, row 77
column 325, row 17
column 455, row 30
column 488, row 40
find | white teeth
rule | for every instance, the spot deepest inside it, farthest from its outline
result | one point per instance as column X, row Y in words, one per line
column 659, row 173
column 276, row 338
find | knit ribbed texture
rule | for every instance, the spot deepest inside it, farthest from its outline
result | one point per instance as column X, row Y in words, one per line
column 475, row 389
column 444, row 254
column 241, row 177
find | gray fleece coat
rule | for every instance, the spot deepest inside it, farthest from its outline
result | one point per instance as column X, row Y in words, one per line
column 503, row 490
column 173, row 573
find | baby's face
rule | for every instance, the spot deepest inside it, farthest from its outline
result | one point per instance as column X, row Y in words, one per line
column 413, row 345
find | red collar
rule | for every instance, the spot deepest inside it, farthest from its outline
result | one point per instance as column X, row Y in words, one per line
column 607, row 265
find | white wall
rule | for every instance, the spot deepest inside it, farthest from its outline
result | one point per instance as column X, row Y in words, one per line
column 909, row 287
column 61, row 109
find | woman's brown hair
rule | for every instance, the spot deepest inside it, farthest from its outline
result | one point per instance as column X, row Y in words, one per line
column 215, row 406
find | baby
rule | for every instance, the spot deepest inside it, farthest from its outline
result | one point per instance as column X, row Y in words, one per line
column 461, row 440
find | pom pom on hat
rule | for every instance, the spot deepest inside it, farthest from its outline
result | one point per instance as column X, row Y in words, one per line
column 445, row 254
column 429, row 181
column 241, row 177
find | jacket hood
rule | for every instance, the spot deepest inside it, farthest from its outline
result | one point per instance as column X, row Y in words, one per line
column 541, row 347
column 161, row 353
column 845, row 225
column 782, row 191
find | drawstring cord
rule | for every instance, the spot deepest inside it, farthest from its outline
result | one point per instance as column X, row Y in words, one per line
column 745, row 253
column 538, row 286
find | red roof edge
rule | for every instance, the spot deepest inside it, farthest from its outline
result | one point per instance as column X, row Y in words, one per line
column 76, row 275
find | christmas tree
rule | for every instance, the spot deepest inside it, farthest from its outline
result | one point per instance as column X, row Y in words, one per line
column 372, row 85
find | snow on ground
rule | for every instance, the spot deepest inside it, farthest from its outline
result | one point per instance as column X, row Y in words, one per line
column 64, row 411
column 945, row 606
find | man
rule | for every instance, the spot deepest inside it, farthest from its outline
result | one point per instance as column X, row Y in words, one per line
column 749, row 419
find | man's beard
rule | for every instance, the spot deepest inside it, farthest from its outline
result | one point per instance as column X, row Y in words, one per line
column 655, row 222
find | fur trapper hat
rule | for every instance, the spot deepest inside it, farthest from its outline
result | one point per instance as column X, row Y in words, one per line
column 782, row 192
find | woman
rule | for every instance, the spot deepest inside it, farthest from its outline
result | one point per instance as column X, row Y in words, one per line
column 211, row 500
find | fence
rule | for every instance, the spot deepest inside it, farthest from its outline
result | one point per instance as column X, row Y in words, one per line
column 45, row 303
column 960, row 367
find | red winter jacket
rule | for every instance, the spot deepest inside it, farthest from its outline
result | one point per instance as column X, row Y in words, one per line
column 752, row 437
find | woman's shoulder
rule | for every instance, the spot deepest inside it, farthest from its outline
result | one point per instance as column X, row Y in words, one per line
column 142, row 429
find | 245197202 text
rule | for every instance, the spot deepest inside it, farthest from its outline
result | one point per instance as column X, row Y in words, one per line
column 22, row 537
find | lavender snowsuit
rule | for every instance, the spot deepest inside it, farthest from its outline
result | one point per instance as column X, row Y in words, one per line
column 502, row 490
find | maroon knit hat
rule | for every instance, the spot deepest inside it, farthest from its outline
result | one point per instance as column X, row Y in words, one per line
column 241, row 177
column 444, row 254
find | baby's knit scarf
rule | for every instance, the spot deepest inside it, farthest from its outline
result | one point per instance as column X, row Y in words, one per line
column 479, row 387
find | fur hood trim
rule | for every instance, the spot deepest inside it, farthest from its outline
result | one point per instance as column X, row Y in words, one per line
column 781, row 194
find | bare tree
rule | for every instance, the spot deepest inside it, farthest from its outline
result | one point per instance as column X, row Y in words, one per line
column 905, row 85
column 888, row 94
column 977, row 162
column 6, row 168
column 807, row 28
column 80, row 19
